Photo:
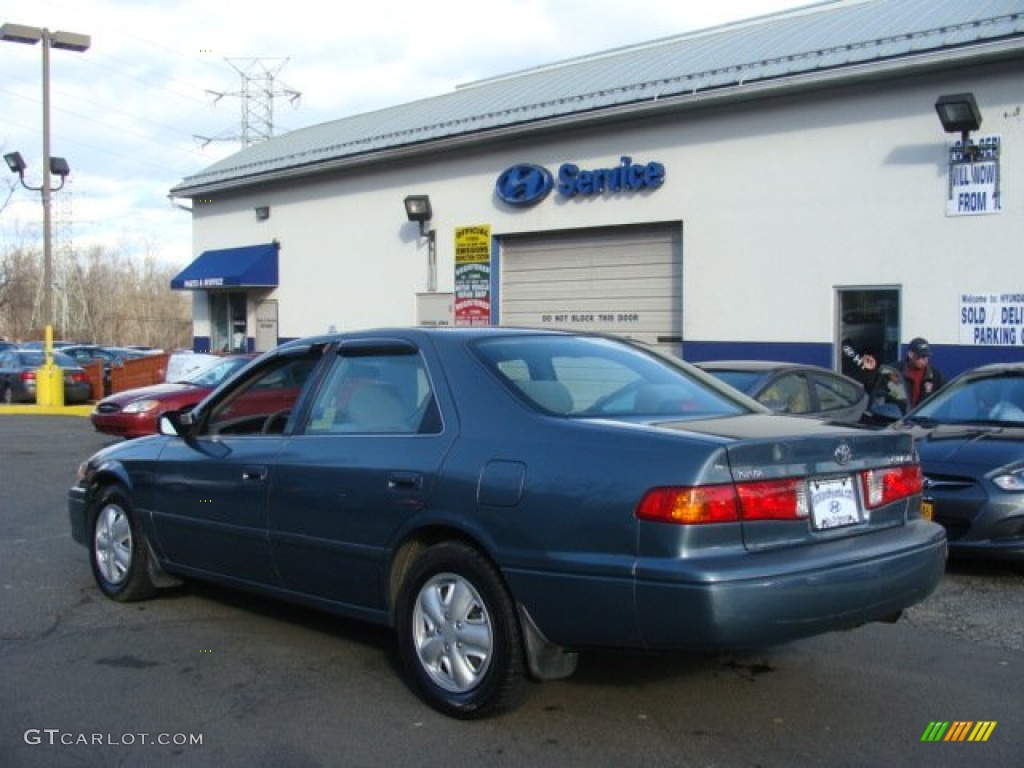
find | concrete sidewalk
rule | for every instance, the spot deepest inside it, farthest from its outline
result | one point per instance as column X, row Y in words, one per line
column 28, row 409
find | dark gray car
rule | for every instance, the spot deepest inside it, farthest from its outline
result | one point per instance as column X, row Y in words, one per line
column 504, row 498
column 18, row 369
column 970, row 435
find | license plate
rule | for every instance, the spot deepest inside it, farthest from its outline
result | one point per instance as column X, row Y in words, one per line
column 927, row 509
column 833, row 503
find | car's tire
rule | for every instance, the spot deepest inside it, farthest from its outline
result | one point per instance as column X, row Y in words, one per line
column 459, row 637
column 118, row 550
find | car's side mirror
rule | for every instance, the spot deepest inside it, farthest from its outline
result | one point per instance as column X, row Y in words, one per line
column 176, row 423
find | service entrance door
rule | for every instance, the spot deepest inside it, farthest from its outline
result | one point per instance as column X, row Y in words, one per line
column 621, row 280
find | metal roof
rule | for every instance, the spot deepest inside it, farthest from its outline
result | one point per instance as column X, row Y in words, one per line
column 783, row 50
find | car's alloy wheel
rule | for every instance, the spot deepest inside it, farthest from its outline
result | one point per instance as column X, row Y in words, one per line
column 459, row 635
column 119, row 551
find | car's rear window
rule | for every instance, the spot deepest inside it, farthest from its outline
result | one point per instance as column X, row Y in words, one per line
column 594, row 376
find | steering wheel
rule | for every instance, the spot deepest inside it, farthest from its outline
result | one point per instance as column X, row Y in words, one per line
column 270, row 424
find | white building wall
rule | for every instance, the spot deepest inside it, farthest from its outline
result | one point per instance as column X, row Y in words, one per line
column 779, row 201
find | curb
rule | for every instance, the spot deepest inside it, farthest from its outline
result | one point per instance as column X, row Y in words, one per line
column 30, row 409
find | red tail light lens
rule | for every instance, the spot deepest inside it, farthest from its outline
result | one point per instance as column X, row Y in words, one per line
column 28, row 375
column 687, row 506
column 768, row 500
column 884, row 486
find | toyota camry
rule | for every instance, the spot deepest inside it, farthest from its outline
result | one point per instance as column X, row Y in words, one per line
column 505, row 499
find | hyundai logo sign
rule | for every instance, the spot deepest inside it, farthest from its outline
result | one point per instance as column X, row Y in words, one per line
column 527, row 184
column 524, row 184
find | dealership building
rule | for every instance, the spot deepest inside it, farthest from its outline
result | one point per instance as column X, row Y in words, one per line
column 848, row 174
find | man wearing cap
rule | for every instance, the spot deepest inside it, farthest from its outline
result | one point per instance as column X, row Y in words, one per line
column 922, row 379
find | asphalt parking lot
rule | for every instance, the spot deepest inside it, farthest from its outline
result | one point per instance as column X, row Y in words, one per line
column 202, row 676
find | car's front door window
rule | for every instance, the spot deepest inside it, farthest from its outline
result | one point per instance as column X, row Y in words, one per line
column 263, row 400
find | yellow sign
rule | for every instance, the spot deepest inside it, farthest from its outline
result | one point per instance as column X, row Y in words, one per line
column 473, row 244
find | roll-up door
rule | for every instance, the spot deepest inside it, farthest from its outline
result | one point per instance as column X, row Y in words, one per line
column 626, row 281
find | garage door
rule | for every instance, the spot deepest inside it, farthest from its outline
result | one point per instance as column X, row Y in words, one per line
column 626, row 281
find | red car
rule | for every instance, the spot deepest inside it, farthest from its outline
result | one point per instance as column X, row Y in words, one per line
column 136, row 412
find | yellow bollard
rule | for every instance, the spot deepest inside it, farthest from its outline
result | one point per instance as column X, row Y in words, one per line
column 50, row 385
column 49, row 376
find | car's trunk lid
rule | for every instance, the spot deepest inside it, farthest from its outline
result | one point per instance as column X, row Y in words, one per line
column 828, row 461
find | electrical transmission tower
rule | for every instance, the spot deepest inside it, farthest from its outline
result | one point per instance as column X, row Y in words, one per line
column 258, row 91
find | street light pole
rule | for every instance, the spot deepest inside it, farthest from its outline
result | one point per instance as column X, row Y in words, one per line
column 49, row 378
column 69, row 41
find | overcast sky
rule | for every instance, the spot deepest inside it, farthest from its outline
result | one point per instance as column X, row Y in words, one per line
column 126, row 112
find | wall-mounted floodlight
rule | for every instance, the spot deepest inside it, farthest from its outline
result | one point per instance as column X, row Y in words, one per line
column 959, row 113
column 417, row 209
column 262, row 212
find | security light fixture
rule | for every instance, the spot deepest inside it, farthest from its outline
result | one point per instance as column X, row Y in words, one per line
column 262, row 212
column 959, row 113
column 15, row 162
column 59, row 167
column 417, row 208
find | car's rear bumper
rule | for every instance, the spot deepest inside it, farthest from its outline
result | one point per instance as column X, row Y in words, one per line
column 789, row 596
column 732, row 599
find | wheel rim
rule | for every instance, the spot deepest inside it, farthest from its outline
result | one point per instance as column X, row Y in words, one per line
column 452, row 633
column 113, row 544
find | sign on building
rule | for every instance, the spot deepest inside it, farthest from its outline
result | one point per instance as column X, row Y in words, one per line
column 473, row 275
column 992, row 319
column 974, row 179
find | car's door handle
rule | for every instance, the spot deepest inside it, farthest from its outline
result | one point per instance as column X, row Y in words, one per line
column 254, row 473
column 404, row 481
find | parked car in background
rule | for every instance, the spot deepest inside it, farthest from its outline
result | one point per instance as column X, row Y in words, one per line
column 970, row 436
column 18, row 369
column 135, row 412
column 505, row 497
column 793, row 388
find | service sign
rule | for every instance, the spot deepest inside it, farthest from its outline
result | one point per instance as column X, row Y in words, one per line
column 992, row 319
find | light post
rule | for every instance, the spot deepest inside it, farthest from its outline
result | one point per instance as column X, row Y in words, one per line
column 51, row 389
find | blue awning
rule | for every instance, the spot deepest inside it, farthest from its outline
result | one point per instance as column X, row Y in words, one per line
column 247, row 266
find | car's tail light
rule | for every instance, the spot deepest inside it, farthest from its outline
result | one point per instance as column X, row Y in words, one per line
column 702, row 504
column 884, row 486
column 79, row 377
column 767, row 500
column 28, row 375
column 784, row 499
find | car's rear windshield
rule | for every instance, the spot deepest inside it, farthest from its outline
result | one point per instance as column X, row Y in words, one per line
column 602, row 377
column 742, row 380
